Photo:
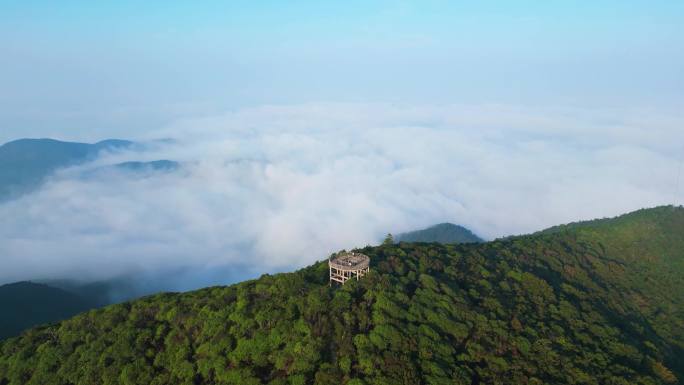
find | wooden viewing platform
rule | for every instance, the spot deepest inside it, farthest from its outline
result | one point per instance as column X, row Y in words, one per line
column 346, row 265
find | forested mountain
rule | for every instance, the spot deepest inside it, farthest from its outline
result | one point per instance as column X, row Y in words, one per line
column 591, row 303
column 26, row 304
column 441, row 233
column 25, row 163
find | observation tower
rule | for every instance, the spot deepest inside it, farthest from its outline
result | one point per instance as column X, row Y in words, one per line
column 346, row 265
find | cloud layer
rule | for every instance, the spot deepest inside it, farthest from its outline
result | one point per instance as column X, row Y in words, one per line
column 272, row 188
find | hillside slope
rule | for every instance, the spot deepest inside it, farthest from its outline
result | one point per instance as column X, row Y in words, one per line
column 26, row 304
column 441, row 233
column 597, row 303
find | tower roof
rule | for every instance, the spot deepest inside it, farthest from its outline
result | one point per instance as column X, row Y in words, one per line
column 349, row 261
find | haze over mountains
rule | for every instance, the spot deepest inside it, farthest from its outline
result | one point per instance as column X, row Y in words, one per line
column 258, row 191
column 596, row 302
column 276, row 185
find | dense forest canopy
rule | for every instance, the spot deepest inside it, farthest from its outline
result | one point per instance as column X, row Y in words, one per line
column 598, row 302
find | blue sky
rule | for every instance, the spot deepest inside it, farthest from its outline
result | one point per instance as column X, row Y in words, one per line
column 79, row 69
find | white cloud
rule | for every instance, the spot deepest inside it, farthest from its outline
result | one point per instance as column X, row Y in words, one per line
column 279, row 187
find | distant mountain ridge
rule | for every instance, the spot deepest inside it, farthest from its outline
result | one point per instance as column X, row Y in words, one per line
column 26, row 163
column 440, row 233
column 27, row 304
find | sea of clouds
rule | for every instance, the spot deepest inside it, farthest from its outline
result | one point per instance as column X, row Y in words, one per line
column 274, row 188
